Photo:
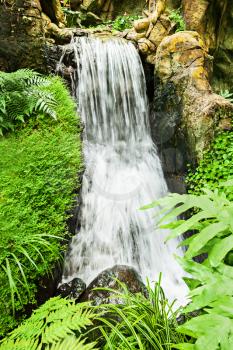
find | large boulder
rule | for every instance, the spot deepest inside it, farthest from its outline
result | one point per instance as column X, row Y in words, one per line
column 21, row 34
column 184, row 103
column 26, row 27
column 213, row 19
column 109, row 279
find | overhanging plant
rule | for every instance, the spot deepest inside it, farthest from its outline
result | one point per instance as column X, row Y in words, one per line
column 211, row 282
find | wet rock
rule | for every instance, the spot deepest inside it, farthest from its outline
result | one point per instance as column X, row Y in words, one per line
column 107, row 279
column 72, row 289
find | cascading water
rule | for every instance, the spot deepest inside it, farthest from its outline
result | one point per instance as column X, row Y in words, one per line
column 123, row 171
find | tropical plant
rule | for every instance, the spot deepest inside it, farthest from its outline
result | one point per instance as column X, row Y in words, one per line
column 59, row 324
column 227, row 95
column 211, row 282
column 22, row 96
column 176, row 16
column 139, row 321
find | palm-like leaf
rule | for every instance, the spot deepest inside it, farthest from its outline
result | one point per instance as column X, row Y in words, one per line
column 211, row 285
column 213, row 209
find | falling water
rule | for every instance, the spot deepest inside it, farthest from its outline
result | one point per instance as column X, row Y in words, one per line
column 123, row 170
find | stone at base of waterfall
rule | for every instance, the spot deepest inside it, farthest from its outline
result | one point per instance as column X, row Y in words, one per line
column 72, row 289
column 110, row 278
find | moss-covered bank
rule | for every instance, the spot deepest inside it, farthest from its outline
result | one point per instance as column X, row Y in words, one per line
column 38, row 175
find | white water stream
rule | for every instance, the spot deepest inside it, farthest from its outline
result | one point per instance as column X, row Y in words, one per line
column 123, row 171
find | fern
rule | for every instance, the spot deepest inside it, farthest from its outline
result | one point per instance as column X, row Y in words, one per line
column 55, row 325
column 71, row 343
column 23, row 94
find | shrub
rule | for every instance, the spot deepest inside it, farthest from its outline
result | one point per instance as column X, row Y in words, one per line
column 211, row 282
column 124, row 22
column 176, row 16
column 215, row 167
column 39, row 164
column 120, row 23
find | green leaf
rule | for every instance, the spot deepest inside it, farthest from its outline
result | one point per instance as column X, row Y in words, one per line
column 220, row 250
column 202, row 238
column 211, row 331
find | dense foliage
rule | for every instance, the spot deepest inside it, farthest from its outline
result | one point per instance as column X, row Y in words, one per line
column 215, row 167
column 24, row 93
column 123, row 22
column 211, row 282
column 120, row 23
column 38, row 174
column 136, row 322
column 58, row 324
column 146, row 321
column 176, row 17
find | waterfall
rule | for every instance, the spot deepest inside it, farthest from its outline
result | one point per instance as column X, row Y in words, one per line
column 123, row 170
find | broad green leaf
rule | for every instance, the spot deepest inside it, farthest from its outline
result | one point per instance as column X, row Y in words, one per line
column 220, row 250
column 189, row 223
column 202, row 238
column 223, row 306
column 211, row 331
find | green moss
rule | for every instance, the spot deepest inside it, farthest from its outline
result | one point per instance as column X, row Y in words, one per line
column 215, row 167
column 38, row 175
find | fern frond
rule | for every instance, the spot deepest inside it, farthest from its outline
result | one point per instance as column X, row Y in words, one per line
column 71, row 343
column 60, row 328
column 20, row 344
column 59, row 322
column 24, row 93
